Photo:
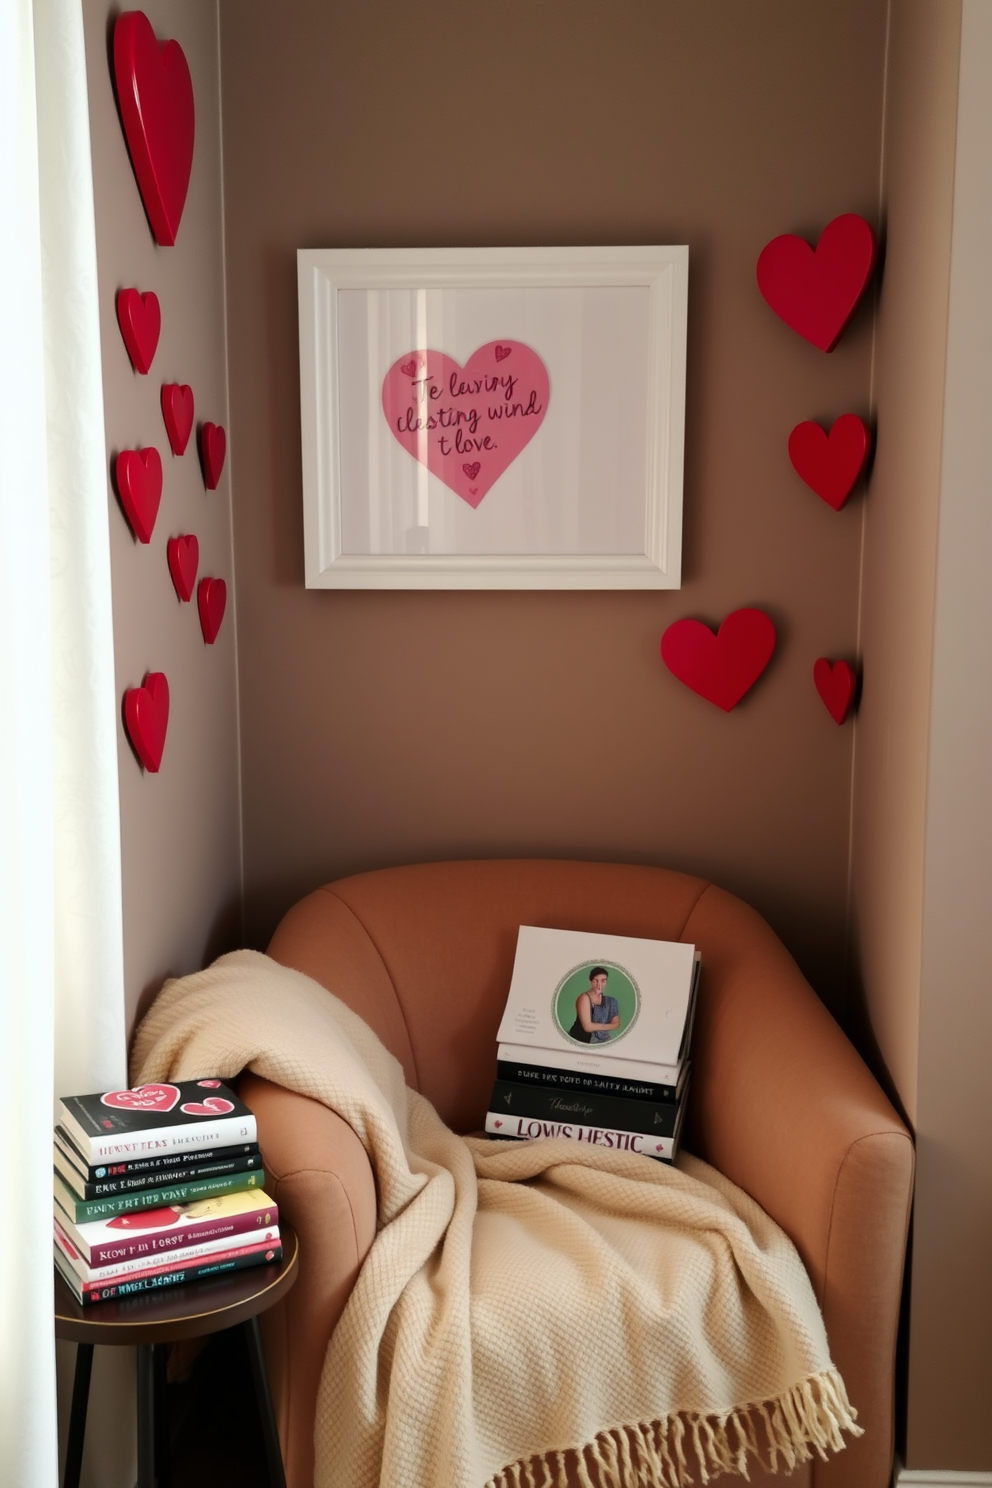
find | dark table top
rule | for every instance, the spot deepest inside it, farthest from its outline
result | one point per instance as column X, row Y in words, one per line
column 184, row 1311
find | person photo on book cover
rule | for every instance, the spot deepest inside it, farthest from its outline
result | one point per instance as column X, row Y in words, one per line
column 597, row 1015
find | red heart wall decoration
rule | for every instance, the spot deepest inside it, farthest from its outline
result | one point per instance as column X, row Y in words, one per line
column 184, row 559
column 213, row 448
column 724, row 666
column 140, row 319
column 155, row 95
column 831, row 463
column 139, row 485
column 211, row 600
column 815, row 291
column 836, row 682
column 146, row 718
column 177, row 411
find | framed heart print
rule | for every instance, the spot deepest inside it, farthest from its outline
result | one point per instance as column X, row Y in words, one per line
column 493, row 418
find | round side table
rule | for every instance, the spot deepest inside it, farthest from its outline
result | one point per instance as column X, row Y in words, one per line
column 150, row 1320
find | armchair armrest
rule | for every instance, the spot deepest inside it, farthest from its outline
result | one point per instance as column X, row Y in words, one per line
column 318, row 1173
column 786, row 1108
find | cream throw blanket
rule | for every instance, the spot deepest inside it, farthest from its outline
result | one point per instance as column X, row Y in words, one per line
column 523, row 1302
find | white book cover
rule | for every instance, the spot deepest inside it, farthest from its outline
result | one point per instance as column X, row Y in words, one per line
column 602, row 997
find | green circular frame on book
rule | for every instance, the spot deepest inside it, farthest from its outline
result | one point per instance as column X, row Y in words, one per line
column 620, row 985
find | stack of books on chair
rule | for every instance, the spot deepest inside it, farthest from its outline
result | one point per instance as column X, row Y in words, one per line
column 156, row 1186
column 594, row 1041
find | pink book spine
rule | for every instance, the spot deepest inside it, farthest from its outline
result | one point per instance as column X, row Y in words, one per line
column 147, row 1242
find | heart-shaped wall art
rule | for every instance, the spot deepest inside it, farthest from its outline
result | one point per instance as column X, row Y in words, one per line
column 155, row 96
column 160, row 1098
column 213, row 448
column 211, row 600
column 836, row 682
column 146, row 718
column 815, row 291
column 831, row 463
column 467, row 424
column 177, row 411
column 184, row 559
column 721, row 667
column 140, row 319
column 139, row 484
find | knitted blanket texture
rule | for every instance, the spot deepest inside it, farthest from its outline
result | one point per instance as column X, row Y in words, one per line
column 527, row 1309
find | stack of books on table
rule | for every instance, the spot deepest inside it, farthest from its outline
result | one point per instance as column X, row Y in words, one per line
column 594, row 1041
column 156, row 1186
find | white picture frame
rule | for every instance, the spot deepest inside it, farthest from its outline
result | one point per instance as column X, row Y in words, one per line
column 591, row 499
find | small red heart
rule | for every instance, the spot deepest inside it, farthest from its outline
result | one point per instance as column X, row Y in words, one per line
column 177, row 411
column 409, row 368
column 497, row 1123
column 211, row 599
column 214, row 1105
column 815, row 291
column 143, row 1098
column 140, row 319
column 146, row 717
column 213, row 448
column 473, row 490
column 831, row 463
column 724, row 666
column 836, row 682
column 184, row 559
column 502, row 352
column 472, row 470
column 145, row 1219
column 155, row 96
column 139, row 485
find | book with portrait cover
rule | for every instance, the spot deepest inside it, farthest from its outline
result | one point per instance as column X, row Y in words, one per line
column 588, row 1001
column 154, row 1119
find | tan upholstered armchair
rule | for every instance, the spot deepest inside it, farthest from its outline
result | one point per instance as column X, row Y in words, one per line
column 781, row 1102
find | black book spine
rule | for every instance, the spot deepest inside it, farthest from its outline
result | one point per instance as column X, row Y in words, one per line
column 552, row 1104
column 543, row 1076
column 163, row 1167
column 135, row 1183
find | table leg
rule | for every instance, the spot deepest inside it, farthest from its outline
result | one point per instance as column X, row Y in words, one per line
column 77, row 1415
column 146, row 1416
column 163, row 1470
column 263, row 1399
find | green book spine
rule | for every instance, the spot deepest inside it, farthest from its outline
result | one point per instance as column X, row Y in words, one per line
column 80, row 1210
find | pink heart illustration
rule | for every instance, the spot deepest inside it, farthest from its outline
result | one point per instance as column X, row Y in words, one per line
column 214, row 1105
column 445, row 412
column 208, row 1084
column 497, row 1123
column 144, row 1098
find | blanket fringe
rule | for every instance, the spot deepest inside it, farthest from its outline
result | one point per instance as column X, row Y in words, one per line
column 808, row 1418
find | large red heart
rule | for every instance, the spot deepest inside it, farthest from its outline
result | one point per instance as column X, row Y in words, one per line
column 720, row 667
column 836, row 682
column 177, row 411
column 816, row 291
column 140, row 319
column 139, row 485
column 143, row 1098
column 831, row 463
column 146, row 717
column 211, row 600
column 184, row 559
column 488, row 411
column 155, row 95
column 214, row 1105
column 213, row 448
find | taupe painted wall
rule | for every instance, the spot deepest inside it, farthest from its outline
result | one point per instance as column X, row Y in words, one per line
column 383, row 728
column 180, row 829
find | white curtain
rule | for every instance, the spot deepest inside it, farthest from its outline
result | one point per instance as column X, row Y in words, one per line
column 61, row 963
